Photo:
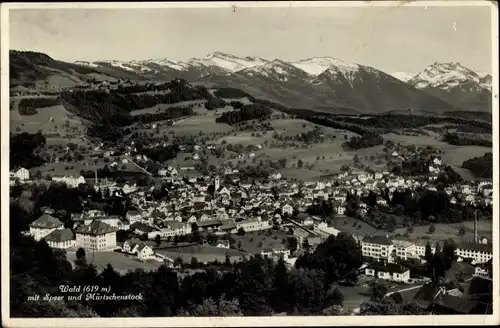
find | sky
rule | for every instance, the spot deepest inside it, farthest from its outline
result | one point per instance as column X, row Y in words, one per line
column 392, row 39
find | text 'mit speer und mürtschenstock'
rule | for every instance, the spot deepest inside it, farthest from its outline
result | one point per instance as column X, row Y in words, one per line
column 89, row 293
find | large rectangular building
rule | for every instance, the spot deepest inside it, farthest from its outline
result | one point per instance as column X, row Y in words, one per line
column 97, row 236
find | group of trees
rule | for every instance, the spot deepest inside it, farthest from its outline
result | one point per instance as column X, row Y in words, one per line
column 23, row 148
column 247, row 112
column 170, row 113
column 465, row 139
column 28, row 106
column 366, row 140
column 481, row 167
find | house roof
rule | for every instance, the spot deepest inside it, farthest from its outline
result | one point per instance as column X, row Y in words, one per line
column 142, row 246
column 300, row 232
column 133, row 242
column 312, row 241
column 389, row 267
column 380, row 240
column 476, row 247
column 142, row 226
column 223, row 242
column 456, row 304
column 427, row 292
column 209, row 223
column 60, row 235
column 133, row 212
column 96, row 227
column 46, row 222
column 228, row 225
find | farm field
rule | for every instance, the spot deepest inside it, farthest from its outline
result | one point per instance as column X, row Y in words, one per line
column 120, row 262
column 161, row 108
column 41, row 121
column 291, row 127
column 255, row 241
column 350, row 225
column 450, row 230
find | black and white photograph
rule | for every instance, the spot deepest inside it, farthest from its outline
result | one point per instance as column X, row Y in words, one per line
column 249, row 163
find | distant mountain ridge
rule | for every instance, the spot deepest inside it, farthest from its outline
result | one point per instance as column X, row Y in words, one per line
column 318, row 83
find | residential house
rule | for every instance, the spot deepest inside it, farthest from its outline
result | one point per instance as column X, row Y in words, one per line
column 287, row 209
column 223, row 244
column 133, row 216
column 389, row 271
column 44, row 225
column 22, row 174
column 139, row 248
column 323, row 230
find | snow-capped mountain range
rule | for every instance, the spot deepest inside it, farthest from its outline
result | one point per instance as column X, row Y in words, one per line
column 441, row 80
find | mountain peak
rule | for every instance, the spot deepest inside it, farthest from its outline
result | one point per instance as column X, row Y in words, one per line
column 219, row 54
column 317, row 65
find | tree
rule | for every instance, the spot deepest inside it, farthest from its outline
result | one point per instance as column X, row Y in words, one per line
column 81, row 260
column 461, row 232
column 438, row 248
column 428, row 252
column 377, row 291
column 241, row 232
column 334, row 296
column 220, row 308
column 432, row 228
column 280, row 296
column 80, row 253
column 158, row 240
column 178, row 262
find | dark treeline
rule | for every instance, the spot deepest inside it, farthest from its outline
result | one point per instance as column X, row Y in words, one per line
column 161, row 154
column 485, row 129
column 466, row 139
column 28, row 106
column 400, row 121
column 173, row 112
column 470, row 115
column 365, row 141
column 481, row 167
column 246, row 113
column 233, row 93
column 22, row 148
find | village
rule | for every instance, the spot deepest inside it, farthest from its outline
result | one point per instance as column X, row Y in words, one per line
column 225, row 207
